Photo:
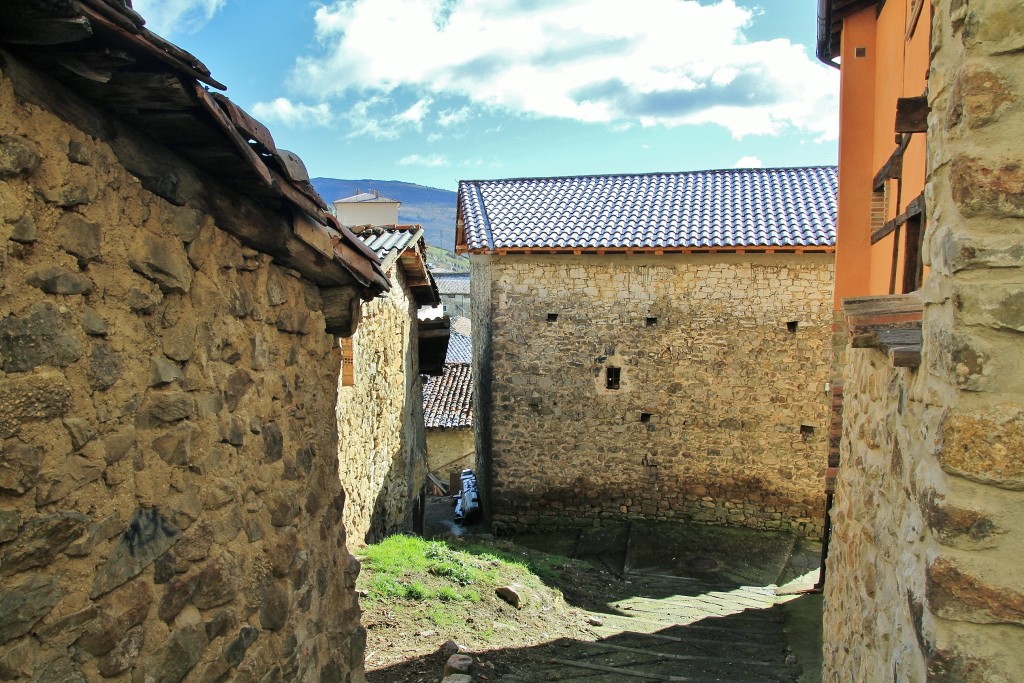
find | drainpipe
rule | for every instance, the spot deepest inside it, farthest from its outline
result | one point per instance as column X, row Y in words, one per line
column 824, row 48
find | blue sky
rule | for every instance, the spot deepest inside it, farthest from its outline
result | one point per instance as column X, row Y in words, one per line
column 434, row 91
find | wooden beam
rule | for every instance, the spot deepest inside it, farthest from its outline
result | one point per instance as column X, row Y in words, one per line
column 171, row 57
column 912, row 114
column 914, row 208
column 342, row 310
column 892, row 169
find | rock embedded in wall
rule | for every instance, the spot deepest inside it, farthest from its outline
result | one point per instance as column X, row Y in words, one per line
column 156, row 392
column 719, row 415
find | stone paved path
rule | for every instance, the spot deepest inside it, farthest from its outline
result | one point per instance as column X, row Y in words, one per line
column 698, row 612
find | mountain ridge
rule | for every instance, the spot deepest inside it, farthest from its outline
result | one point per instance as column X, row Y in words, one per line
column 431, row 207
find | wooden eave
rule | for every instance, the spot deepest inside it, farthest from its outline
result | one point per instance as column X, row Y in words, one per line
column 432, row 338
column 840, row 9
column 890, row 323
column 417, row 275
column 95, row 64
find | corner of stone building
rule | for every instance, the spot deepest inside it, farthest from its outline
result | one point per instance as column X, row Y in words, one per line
column 481, row 321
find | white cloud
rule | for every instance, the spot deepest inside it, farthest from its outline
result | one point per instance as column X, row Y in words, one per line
column 431, row 160
column 168, row 17
column 295, row 115
column 676, row 62
column 414, row 115
column 748, row 162
column 453, row 117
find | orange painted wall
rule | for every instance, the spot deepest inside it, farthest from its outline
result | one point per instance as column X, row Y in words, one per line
column 892, row 67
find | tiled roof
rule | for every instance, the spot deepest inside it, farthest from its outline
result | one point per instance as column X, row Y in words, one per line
column 366, row 197
column 757, row 207
column 385, row 239
column 460, row 348
column 447, row 400
column 452, row 283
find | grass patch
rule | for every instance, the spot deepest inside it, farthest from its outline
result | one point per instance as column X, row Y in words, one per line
column 415, row 569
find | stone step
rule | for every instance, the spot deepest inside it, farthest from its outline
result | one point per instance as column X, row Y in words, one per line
column 701, row 643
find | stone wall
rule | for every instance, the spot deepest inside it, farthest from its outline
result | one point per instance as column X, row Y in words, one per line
column 924, row 579
column 381, row 453
column 721, row 415
column 169, row 497
column 450, row 449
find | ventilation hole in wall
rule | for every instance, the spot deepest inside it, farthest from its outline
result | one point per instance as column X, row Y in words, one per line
column 860, row 52
column 552, row 317
column 806, row 432
column 650, row 321
column 645, row 417
column 792, row 325
column 613, row 377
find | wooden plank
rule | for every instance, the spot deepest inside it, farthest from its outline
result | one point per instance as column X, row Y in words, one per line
column 240, row 144
column 892, row 169
column 342, row 310
column 913, row 267
column 246, row 124
column 133, row 91
column 914, row 208
column 912, row 114
column 119, row 18
column 56, row 31
column 905, row 356
column 313, row 233
column 144, row 42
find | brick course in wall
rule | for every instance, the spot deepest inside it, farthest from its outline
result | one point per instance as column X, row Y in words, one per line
column 721, row 415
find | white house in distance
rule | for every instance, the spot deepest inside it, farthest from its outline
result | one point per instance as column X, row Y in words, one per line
column 366, row 208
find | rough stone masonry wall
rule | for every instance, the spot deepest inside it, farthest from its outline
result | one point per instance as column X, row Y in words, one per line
column 924, row 579
column 722, row 413
column 169, row 497
column 382, row 454
column 449, row 449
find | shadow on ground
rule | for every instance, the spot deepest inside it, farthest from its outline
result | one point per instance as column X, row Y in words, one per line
column 668, row 602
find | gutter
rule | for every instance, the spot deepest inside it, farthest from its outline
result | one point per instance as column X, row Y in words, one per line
column 824, row 45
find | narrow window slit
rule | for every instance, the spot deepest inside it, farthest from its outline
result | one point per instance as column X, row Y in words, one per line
column 613, row 377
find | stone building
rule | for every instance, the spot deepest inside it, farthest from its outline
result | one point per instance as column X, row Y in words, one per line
column 923, row 579
column 366, row 208
column 448, row 411
column 169, row 496
column 381, row 454
column 652, row 346
column 455, row 294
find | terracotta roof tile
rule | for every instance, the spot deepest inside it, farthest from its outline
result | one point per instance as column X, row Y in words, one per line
column 734, row 208
column 447, row 400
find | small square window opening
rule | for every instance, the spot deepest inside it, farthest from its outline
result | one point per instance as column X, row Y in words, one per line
column 645, row 417
column 860, row 52
column 792, row 325
column 613, row 378
column 552, row 317
column 650, row 321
